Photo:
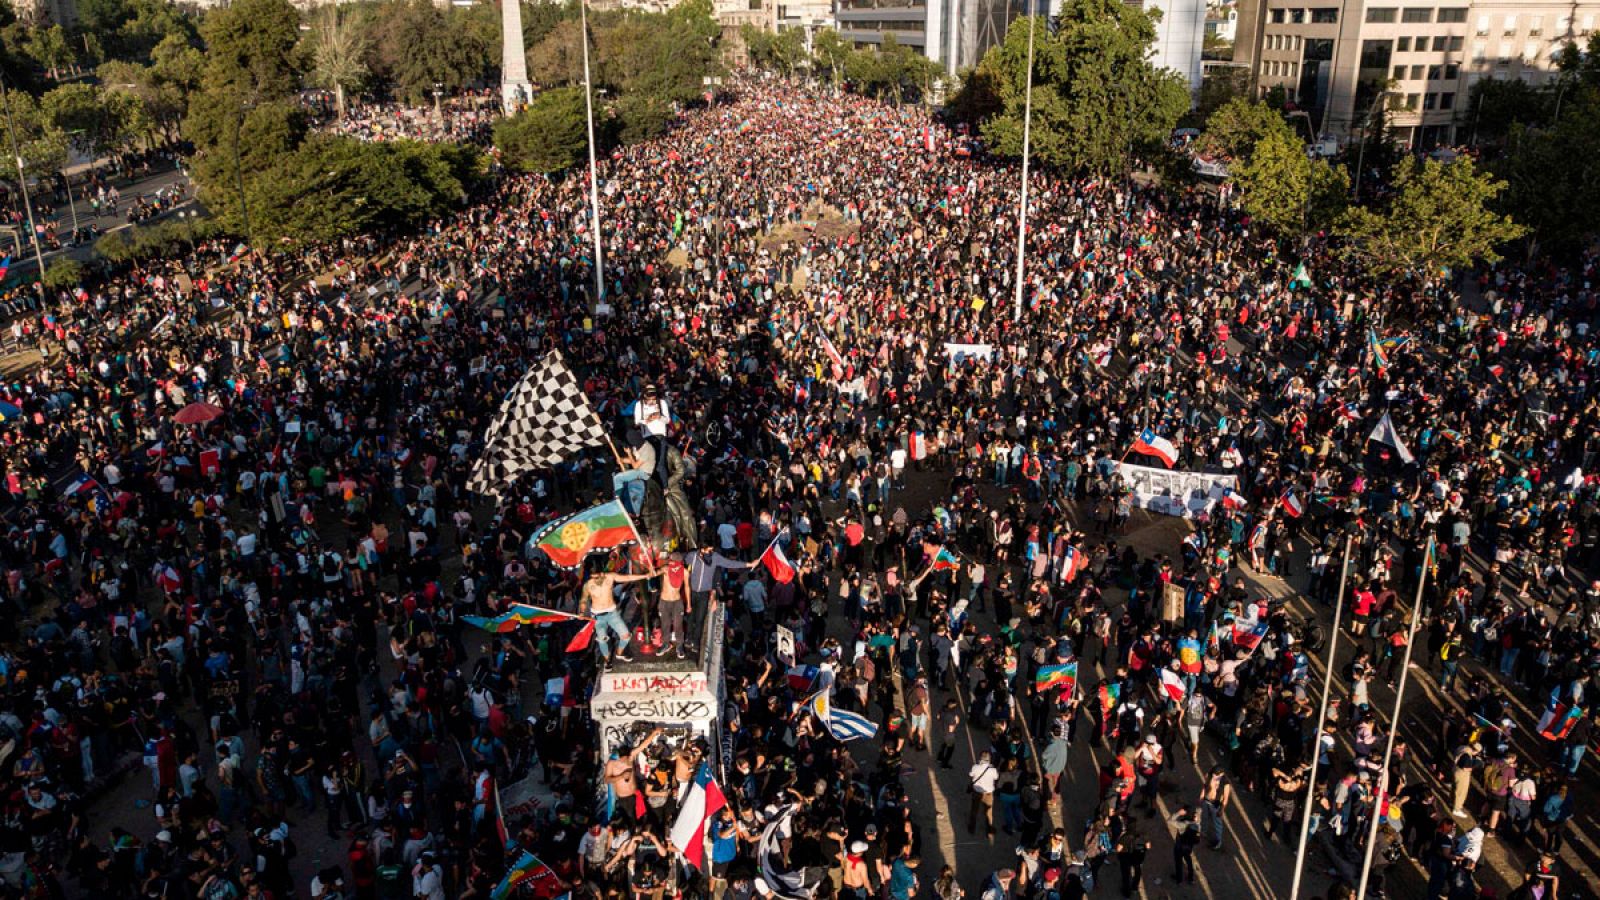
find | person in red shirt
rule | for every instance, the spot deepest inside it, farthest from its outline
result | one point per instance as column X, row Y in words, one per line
column 1362, row 606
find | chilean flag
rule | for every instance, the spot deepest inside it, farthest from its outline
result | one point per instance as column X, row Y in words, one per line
column 777, row 563
column 801, row 678
column 917, row 445
column 1073, row 561
column 1173, row 686
column 833, row 355
column 1232, row 499
column 168, row 578
column 703, row 801
column 1247, row 633
column 83, row 484
column 1151, row 444
column 1292, row 505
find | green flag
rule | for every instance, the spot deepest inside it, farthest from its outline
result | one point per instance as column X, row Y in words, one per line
column 1301, row 278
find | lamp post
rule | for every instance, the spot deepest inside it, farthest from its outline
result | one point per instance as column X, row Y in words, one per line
column 22, row 178
column 1022, row 207
column 594, row 181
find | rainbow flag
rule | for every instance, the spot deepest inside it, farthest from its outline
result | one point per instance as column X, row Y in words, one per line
column 569, row 540
column 517, row 616
column 1063, row 676
column 1189, row 655
column 1213, row 641
column 527, row 870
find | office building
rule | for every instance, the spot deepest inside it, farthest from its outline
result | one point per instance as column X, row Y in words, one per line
column 954, row 33
column 1180, row 36
column 1338, row 61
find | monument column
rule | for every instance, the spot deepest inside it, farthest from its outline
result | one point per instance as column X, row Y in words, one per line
column 515, row 88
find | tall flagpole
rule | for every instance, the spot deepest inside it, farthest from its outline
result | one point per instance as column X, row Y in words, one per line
column 1394, row 723
column 594, row 181
column 1322, row 718
column 1027, row 136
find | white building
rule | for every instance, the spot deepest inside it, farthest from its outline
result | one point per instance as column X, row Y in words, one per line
column 1180, row 36
column 955, row 33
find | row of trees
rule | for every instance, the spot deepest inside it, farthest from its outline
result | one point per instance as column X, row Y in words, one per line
column 1435, row 217
column 260, row 171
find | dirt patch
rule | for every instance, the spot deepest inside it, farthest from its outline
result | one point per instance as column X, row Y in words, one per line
column 820, row 219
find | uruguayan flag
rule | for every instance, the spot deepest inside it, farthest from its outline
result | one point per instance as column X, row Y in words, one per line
column 847, row 726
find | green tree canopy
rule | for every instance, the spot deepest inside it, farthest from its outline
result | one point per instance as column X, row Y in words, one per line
column 1554, row 175
column 333, row 186
column 253, row 51
column 547, row 136
column 1439, row 218
column 418, row 45
column 1095, row 95
column 96, row 122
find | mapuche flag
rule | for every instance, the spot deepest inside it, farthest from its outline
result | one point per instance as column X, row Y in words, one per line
column 567, row 541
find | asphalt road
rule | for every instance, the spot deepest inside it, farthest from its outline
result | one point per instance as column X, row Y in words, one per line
column 23, row 259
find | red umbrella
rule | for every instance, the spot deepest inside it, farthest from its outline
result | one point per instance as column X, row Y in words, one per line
column 197, row 413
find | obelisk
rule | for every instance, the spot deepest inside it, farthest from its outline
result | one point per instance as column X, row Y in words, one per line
column 515, row 88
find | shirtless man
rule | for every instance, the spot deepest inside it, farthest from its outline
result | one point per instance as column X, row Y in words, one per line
column 599, row 602
column 621, row 775
column 675, row 606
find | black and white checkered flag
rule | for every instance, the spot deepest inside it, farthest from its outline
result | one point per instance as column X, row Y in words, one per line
column 544, row 419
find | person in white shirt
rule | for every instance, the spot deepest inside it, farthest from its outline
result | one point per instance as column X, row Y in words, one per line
column 651, row 412
column 981, row 780
column 427, row 879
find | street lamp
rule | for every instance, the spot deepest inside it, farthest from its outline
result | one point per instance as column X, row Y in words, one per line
column 22, row 178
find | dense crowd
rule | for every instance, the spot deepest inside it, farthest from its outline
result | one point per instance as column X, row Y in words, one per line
column 262, row 611
column 465, row 118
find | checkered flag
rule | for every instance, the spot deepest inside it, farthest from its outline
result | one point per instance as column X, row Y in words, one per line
column 544, row 419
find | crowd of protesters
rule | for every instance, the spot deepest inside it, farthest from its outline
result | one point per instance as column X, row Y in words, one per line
column 260, row 613
column 465, row 118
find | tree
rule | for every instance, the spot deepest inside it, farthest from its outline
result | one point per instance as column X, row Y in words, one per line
column 1279, row 185
column 42, row 145
column 978, row 98
column 62, row 274
column 1439, row 219
column 776, row 51
column 49, row 48
column 96, row 122
column 831, row 52
column 417, row 46
column 161, row 88
column 548, row 136
column 1096, row 97
column 1221, row 86
column 334, row 186
column 253, row 51
column 1553, row 178
column 1237, row 126
column 337, row 56
column 558, row 57
column 1496, row 105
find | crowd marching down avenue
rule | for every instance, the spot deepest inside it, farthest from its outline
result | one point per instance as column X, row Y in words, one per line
column 801, row 563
